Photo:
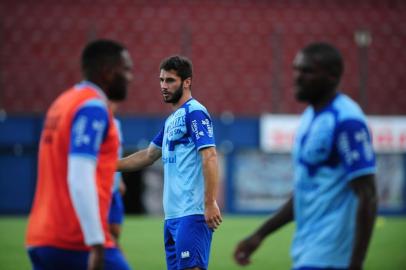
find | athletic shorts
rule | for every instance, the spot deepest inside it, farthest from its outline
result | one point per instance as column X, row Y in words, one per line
column 187, row 242
column 116, row 212
column 51, row 258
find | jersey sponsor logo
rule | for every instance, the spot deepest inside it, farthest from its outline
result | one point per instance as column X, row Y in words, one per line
column 185, row 254
column 176, row 128
column 168, row 159
column 199, row 133
column 195, row 129
column 206, row 122
column 173, row 132
column 177, row 122
column 363, row 151
column 363, row 138
column 344, row 144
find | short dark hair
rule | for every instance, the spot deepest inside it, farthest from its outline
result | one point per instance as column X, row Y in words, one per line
column 327, row 56
column 98, row 54
column 182, row 65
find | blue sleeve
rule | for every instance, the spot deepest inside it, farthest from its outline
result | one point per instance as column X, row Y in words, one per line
column 89, row 128
column 355, row 149
column 159, row 138
column 200, row 129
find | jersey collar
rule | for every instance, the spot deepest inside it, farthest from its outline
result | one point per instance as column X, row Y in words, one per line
column 88, row 84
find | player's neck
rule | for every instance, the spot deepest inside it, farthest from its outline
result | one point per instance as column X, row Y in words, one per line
column 185, row 97
column 97, row 82
column 323, row 102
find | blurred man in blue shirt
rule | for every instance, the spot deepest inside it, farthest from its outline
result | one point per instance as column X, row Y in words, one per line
column 334, row 198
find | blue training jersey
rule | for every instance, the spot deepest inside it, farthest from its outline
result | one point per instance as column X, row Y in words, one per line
column 332, row 147
column 186, row 131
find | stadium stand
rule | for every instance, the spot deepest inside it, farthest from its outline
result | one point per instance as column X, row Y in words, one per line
column 242, row 50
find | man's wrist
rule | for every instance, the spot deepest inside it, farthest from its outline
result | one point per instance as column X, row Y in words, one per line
column 209, row 201
column 97, row 247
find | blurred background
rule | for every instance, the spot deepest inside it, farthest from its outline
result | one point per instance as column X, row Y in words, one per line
column 242, row 53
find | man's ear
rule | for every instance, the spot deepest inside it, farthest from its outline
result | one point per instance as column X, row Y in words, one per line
column 107, row 73
column 333, row 79
column 187, row 83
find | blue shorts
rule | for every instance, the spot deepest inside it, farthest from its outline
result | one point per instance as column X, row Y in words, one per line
column 51, row 258
column 187, row 242
column 116, row 212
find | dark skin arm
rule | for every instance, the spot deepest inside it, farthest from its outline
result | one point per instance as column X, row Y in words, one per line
column 96, row 257
column 246, row 247
column 364, row 188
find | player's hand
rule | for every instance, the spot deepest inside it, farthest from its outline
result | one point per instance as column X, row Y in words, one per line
column 212, row 215
column 245, row 248
column 122, row 187
column 96, row 258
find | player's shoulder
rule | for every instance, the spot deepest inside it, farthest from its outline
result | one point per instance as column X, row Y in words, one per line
column 347, row 108
column 92, row 108
column 95, row 103
column 194, row 105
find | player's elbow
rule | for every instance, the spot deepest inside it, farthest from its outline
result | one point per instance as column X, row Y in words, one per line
column 151, row 157
column 209, row 155
column 368, row 198
column 149, row 161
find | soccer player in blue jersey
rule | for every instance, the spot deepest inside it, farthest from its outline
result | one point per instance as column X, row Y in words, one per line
column 334, row 199
column 187, row 147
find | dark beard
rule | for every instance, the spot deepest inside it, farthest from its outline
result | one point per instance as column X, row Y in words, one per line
column 176, row 95
column 117, row 90
column 314, row 93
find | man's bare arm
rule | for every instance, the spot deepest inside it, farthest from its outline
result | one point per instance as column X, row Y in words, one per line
column 210, row 172
column 140, row 159
column 364, row 188
column 249, row 245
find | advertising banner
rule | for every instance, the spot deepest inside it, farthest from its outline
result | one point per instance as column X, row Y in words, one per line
column 277, row 133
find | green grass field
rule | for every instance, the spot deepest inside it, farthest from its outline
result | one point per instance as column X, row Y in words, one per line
column 143, row 246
